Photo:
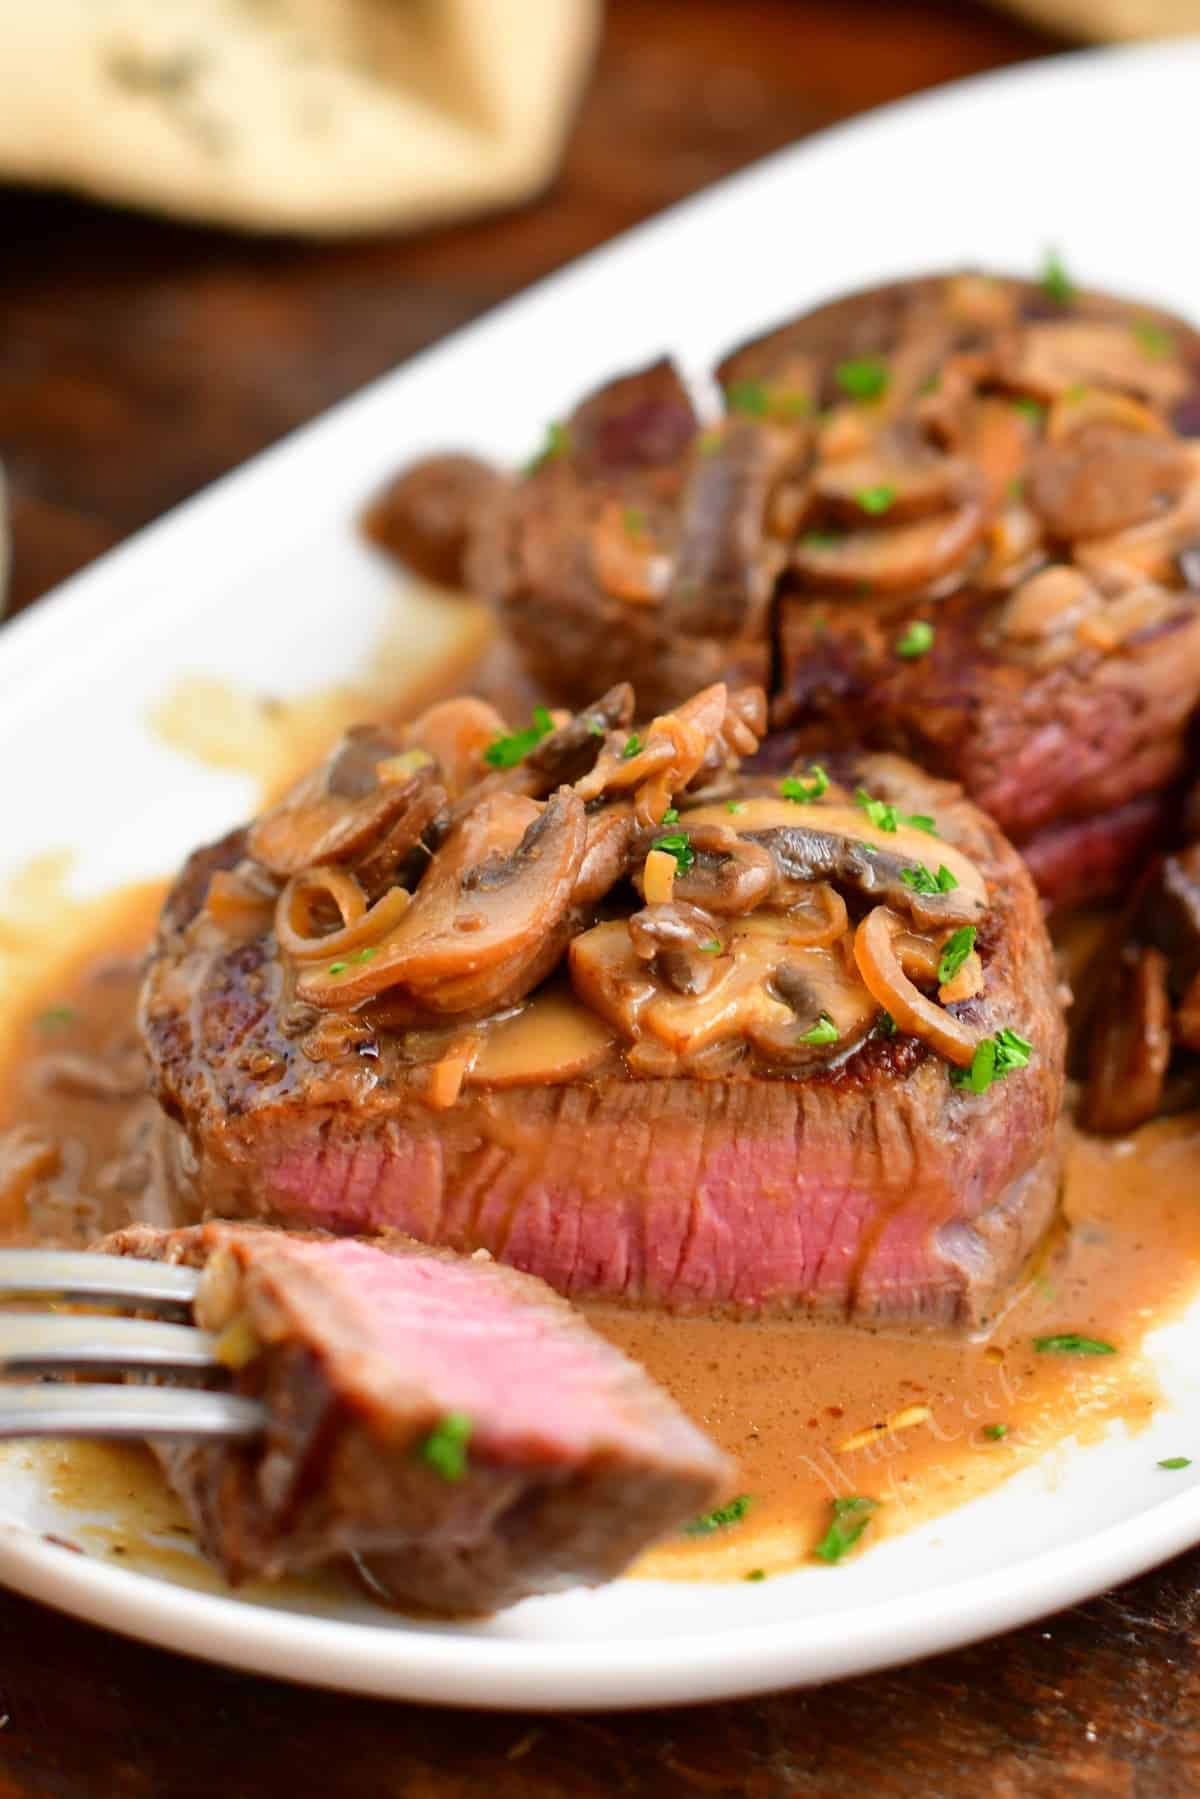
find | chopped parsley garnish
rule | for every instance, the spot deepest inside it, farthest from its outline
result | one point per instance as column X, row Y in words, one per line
column 994, row 1432
column 862, row 377
column 679, row 845
column 1156, row 341
column 445, row 1448
column 1033, row 410
column 887, row 818
column 670, row 816
column 916, row 641
column 595, row 727
column 557, row 443
column 757, row 1574
column 634, row 520
column 338, row 967
column 920, row 880
column 1069, row 1343
column 850, row 1518
column 955, row 951
column 709, row 442
column 632, row 747
column 821, row 540
column 506, row 752
column 712, row 947
column 886, row 1025
column 54, row 1018
column 748, row 397
column 824, row 1031
column 1171, row 1461
column 731, row 1513
column 1056, row 284
column 735, row 805
column 803, row 792
column 364, row 955
column 994, row 1058
column 876, row 500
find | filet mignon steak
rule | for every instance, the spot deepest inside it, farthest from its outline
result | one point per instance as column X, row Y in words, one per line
column 453, row 1426
column 700, row 1100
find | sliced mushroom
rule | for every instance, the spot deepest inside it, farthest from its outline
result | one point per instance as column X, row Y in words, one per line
column 457, row 733
column 1147, row 551
column 681, row 942
column 1103, row 479
column 343, row 811
column 570, row 751
column 627, row 558
column 1050, row 602
column 896, row 483
column 891, row 561
column 722, row 579
column 729, row 874
column 1055, row 355
column 1130, row 1045
column 657, row 765
column 608, row 856
column 803, row 852
column 487, row 919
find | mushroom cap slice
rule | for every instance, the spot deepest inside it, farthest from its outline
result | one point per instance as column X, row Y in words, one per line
column 497, row 894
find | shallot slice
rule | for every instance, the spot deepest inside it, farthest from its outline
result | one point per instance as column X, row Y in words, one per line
column 890, row 987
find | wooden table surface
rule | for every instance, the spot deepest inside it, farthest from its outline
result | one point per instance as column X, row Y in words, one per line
column 137, row 361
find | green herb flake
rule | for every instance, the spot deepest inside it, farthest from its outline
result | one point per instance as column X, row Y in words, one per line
column 1070, row 1343
column 824, row 1031
column 862, row 377
column 595, row 727
column 821, row 540
column 916, row 641
column 735, row 805
column 757, row 1574
column 1155, row 341
column 1055, row 283
column 338, row 967
column 632, row 747
column 712, row 948
column 1173, row 1462
column 955, row 951
column 731, row 1513
column 557, row 444
column 364, row 955
column 888, row 818
column 679, row 845
column 749, row 398
column 670, row 816
column 709, row 442
column 994, row 1058
column 920, row 880
column 886, row 1025
column 55, row 1018
column 876, row 500
column 995, row 1432
column 445, row 1448
column 805, row 792
column 850, row 1518
column 634, row 520
column 506, row 752
column 1033, row 410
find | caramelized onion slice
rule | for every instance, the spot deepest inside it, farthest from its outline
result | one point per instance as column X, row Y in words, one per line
column 887, row 983
column 360, row 926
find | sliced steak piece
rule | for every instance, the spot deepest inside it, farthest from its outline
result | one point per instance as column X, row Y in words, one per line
column 452, row 1426
column 751, row 1140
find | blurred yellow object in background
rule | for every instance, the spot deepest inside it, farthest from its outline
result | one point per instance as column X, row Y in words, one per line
column 318, row 116
column 1113, row 19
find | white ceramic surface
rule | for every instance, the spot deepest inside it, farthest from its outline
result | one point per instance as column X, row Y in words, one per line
column 262, row 582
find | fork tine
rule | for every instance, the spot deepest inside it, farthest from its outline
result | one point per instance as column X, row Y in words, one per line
column 126, row 1412
column 40, row 1340
column 78, row 1274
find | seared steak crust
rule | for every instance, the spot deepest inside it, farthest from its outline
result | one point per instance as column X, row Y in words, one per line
column 875, row 1189
column 574, row 1460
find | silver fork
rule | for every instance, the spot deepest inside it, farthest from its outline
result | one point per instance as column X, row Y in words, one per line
column 47, row 1342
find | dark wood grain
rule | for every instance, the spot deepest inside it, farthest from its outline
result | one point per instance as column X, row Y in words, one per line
column 137, row 361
